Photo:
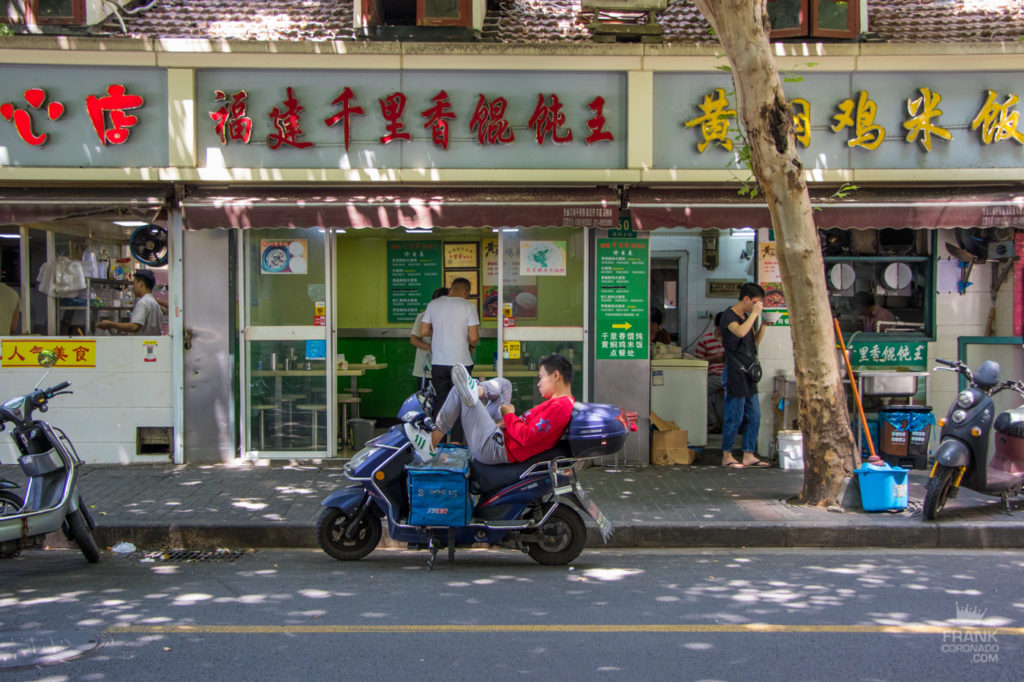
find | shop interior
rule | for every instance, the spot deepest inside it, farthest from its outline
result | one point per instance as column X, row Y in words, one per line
column 79, row 271
column 374, row 283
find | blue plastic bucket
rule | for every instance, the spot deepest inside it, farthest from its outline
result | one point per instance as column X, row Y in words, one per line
column 883, row 488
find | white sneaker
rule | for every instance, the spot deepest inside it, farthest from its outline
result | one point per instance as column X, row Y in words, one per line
column 420, row 440
column 465, row 385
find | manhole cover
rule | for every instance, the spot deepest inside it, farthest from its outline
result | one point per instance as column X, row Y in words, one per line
column 43, row 647
column 189, row 555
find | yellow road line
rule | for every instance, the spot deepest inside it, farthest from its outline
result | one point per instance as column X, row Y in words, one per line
column 909, row 629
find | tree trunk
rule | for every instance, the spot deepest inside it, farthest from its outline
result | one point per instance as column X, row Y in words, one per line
column 742, row 28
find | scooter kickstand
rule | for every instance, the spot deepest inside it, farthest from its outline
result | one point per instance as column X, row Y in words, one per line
column 432, row 546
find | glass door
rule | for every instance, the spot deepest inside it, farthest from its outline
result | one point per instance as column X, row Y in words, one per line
column 288, row 395
column 544, row 302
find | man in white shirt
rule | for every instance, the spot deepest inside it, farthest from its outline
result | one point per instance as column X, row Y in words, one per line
column 10, row 310
column 454, row 327
column 147, row 318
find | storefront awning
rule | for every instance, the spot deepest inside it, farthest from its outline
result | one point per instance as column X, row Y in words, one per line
column 35, row 205
column 860, row 208
column 402, row 207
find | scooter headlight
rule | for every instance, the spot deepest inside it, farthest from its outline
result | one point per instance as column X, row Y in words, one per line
column 965, row 399
column 958, row 416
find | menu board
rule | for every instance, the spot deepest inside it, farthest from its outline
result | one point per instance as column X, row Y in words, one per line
column 414, row 271
column 622, row 308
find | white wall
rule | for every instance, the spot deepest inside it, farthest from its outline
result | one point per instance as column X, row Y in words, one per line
column 729, row 267
column 109, row 401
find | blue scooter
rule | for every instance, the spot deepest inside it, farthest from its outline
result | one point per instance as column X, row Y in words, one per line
column 532, row 506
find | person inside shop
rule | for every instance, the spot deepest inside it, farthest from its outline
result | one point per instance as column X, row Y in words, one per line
column 740, row 337
column 421, row 364
column 495, row 434
column 709, row 348
column 870, row 312
column 10, row 310
column 147, row 315
column 454, row 327
column 658, row 335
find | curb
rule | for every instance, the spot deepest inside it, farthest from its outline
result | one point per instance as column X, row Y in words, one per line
column 764, row 535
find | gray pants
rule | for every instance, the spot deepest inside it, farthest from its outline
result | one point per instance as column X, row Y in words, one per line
column 485, row 440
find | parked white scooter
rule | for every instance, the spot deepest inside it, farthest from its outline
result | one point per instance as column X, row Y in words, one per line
column 52, row 500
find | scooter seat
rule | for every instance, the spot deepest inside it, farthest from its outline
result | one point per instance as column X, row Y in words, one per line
column 1010, row 423
column 485, row 479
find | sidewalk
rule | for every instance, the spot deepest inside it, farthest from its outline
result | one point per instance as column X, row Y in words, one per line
column 274, row 505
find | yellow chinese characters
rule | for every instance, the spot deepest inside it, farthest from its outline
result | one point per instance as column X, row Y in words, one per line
column 869, row 135
column 921, row 123
column 801, row 120
column 997, row 121
column 714, row 123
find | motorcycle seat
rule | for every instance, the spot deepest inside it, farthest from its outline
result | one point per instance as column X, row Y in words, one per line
column 1010, row 423
column 485, row 479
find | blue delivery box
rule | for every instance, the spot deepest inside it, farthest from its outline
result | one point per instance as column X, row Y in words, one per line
column 439, row 489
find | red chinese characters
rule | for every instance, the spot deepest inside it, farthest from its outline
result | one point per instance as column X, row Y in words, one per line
column 22, row 118
column 547, row 119
column 391, row 108
column 489, row 122
column 111, row 108
column 233, row 121
column 596, row 123
column 437, row 119
column 348, row 110
column 286, row 123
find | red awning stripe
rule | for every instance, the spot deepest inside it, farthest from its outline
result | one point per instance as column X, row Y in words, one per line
column 407, row 208
column 861, row 208
column 34, row 205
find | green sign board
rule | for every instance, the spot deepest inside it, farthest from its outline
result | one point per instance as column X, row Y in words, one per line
column 908, row 355
column 625, row 229
column 622, row 315
column 414, row 271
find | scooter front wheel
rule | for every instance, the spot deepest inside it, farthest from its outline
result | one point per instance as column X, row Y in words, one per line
column 333, row 523
column 10, row 503
column 78, row 529
column 937, row 493
column 562, row 538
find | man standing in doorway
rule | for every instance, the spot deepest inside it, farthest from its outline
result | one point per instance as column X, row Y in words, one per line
column 740, row 340
column 454, row 327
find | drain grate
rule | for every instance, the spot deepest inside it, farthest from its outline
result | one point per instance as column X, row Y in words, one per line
column 181, row 556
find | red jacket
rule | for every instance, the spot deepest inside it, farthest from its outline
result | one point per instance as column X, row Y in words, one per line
column 537, row 429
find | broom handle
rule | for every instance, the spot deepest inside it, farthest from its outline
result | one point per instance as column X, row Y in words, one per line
column 853, row 385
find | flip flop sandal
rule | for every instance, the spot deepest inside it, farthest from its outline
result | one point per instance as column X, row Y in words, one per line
column 734, row 465
column 761, row 464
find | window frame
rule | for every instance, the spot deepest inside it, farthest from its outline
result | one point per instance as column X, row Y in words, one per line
column 30, row 16
column 809, row 27
column 465, row 17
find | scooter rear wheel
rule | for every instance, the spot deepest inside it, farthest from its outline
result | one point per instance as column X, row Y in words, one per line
column 331, row 526
column 10, row 503
column 938, row 491
column 78, row 528
column 563, row 538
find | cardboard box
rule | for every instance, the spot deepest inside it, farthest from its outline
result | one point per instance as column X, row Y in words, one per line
column 669, row 443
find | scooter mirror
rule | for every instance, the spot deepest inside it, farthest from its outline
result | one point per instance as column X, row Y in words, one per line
column 47, row 358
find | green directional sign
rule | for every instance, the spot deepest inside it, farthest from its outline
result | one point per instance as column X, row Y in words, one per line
column 622, row 316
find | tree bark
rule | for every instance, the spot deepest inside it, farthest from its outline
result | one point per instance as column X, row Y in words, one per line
column 741, row 26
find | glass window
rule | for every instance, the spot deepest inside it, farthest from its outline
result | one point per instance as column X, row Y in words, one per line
column 814, row 18
column 55, row 8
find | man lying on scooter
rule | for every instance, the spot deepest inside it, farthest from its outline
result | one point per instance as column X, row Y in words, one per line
column 480, row 404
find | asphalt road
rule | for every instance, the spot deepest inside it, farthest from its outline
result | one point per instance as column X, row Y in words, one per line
column 496, row 615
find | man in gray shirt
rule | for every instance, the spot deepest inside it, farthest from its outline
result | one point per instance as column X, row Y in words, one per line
column 147, row 318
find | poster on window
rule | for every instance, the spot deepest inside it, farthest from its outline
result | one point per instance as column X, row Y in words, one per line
column 775, row 310
column 283, row 256
column 520, row 291
column 542, row 259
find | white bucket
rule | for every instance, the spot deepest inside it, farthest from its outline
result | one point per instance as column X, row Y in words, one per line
column 791, row 450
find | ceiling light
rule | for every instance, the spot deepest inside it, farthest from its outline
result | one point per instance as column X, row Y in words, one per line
column 130, row 223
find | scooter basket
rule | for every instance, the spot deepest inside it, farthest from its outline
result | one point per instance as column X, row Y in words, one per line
column 41, row 464
column 439, row 489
